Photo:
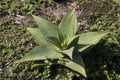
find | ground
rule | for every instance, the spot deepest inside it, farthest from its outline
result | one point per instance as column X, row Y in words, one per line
column 102, row 63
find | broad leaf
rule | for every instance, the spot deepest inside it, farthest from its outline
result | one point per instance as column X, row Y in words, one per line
column 70, row 39
column 37, row 35
column 89, row 39
column 47, row 28
column 40, row 38
column 41, row 53
column 68, row 52
column 76, row 65
column 68, row 26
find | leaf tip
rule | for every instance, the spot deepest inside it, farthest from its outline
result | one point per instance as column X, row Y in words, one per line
column 33, row 16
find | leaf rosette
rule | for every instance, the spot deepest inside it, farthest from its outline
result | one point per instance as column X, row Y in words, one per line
column 62, row 42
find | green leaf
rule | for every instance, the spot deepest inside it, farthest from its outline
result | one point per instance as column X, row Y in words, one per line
column 117, row 1
column 68, row 26
column 70, row 39
column 40, row 38
column 41, row 53
column 48, row 29
column 76, row 65
column 37, row 35
column 87, row 40
column 68, row 52
column 38, row 63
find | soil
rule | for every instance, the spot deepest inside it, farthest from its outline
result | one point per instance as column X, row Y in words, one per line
column 51, row 11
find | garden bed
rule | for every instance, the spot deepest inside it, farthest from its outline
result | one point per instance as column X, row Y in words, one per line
column 102, row 62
